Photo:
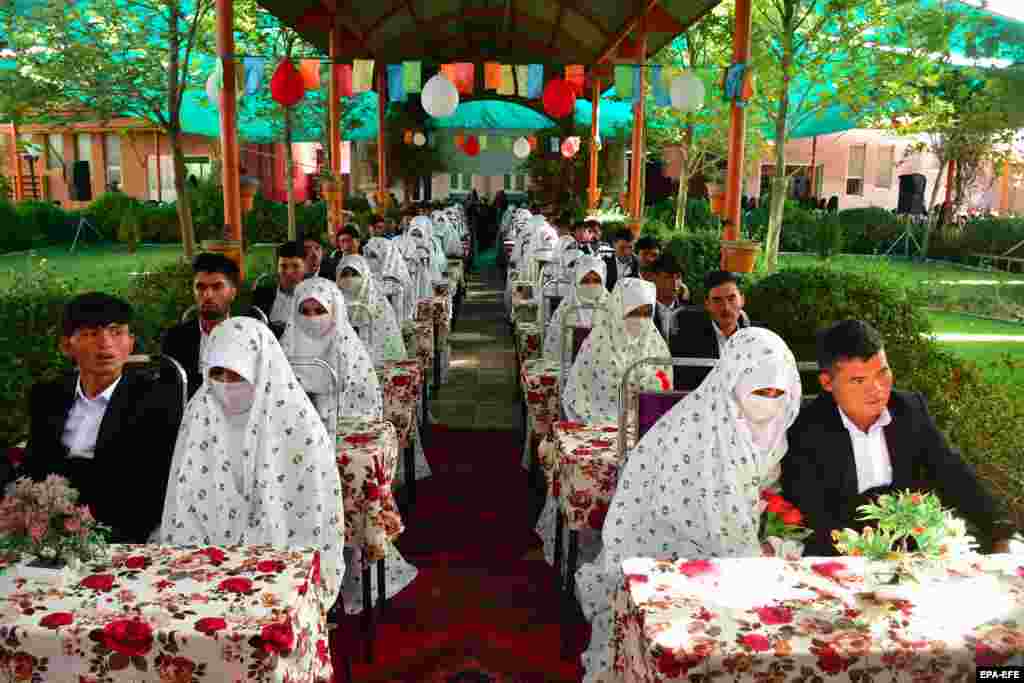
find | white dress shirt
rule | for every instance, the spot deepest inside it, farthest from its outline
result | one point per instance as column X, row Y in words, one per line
column 665, row 316
column 283, row 305
column 83, row 424
column 870, row 452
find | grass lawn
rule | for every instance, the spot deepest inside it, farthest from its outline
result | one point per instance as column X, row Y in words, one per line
column 943, row 321
column 908, row 272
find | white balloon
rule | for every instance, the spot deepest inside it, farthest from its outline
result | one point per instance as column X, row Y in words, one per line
column 439, row 97
column 419, row 139
column 521, row 148
column 687, row 92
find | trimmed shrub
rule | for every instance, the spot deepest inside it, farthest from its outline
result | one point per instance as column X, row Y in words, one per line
column 828, row 237
column 159, row 223
column 107, row 212
column 43, row 223
column 697, row 252
column 11, row 236
column 798, row 226
column 978, row 236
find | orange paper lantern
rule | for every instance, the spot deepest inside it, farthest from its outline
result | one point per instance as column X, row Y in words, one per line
column 559, row 98
column 286, row 85
column 460, row 140
column 533, row 143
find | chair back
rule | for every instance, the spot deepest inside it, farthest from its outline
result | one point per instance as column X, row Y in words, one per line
column 159, row 361
column 575, row 337
column 255, row 312
column 265, row 277
column 549, row 299
column 190, row 313
column 320, row 365
column 361, row 319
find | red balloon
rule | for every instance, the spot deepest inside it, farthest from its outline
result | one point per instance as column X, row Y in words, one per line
column 559, row 98
column 286, row 85
column 472, row 146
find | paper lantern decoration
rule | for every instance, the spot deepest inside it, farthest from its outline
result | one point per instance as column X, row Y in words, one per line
column 407, row 137
column 419, row 139
column 472, row 146
column 521, row 148
column 439, row 97
column 287, row 86
column 460, row 140
column 568, row 150
column 559, row 98
column 687, row 92
column 575, row 142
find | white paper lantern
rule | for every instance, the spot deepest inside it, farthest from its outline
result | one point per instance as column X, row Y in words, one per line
column 687, row 92
column 521, row 148
column 439, row 97
column 419, row 139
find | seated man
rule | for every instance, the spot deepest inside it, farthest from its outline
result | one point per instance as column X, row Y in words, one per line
column 586, row 233
column 316, row 264
column 623, row 263
column 703, row 336
column 215, row 285
column 667, row 274
column 647, row 250
column 860, row 439
column 112, row 434
column 276, row 301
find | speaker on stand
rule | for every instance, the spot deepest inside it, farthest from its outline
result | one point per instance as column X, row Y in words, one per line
column 910, row 205
column 81, row 191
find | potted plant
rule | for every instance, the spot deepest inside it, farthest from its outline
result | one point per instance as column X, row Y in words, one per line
column 248, row 186
column 714, row 180
column 330, row 184
column 42, row 520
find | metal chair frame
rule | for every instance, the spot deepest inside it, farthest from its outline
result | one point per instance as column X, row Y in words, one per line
column 253, row 312
column 179, row 372
column 320, row 363
column 261, row 278
column 568, row 325
column 547, row 310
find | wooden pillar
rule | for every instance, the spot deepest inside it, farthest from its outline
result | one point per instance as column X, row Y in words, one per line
column 636, row 198
column 950, row 170
column 1004, row 190
column 334, row 133
column 382, row 156
column 229, row 128
column 19, row 189
column 737, row 128
column 814, row 166
column 593, row 191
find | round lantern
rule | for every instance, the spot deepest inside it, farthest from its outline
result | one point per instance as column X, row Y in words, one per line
column 472, row 146
column 568, row 150
column 521, row 148
column 687, row 92
column 575, row 142
column 439, row 97
column 419, row 139
column 286, row 85
column 559, row 98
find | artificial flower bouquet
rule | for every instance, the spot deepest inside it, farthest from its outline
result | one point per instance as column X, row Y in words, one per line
column 44, row 520
column 782, row 533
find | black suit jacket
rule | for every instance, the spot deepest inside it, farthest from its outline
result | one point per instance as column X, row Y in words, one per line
column 181, row 343
column 612, row 266
column 126, row 481
column 819, row 473
column 263, row 298
column 694, row 337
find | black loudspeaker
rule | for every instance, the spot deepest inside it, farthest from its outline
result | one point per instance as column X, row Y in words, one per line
column 81, row 182
column 911, row 194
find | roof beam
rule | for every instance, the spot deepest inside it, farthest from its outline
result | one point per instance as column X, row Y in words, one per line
column 583, row 12
column 349, row 23
column 609, row 48
column 395, row 9
column 558, row 24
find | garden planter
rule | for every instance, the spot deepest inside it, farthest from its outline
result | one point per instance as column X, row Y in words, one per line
column 248, row 186
column 739, row 256
column 716, row 193
column 231, row 249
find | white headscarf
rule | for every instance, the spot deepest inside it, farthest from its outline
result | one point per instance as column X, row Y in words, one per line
column 386, row 335
column 447, row 232
column 592, row 390
column 566, row 254
column 541, row 246
column 267, row 476
column 391, row 274
column 340, row 348
column 581, row 317
column 417, row 249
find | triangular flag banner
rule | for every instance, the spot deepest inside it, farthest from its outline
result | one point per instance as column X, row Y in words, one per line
column 465, row 74
column 638, row 91
column 239, row 78
column 482, row 139
column 362, row 75
column 624, row 81
column 344, row 73
column 460, row 140
column 555, row 144
column 253, row 74
column 492, row 75
column 522, row 80
column 507, row 86
column 574, row 76
column 535, row 86
column 662, row 97
column 310, row 71
column 286, row 85
column 407, row 137
column 346, row 157
column 213, row 90
column 412, row 76
column 396, row 83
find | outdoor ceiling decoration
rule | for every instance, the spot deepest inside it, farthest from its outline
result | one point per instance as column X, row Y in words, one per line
column 582, row 32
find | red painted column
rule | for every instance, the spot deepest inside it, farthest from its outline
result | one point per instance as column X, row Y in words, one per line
column 593, row 192
column 382, row 156
column 19, row 192
column 229, row 126
column 737, row 128
column 636, row 198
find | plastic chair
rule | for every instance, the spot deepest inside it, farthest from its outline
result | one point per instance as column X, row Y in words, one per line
column 258, row 282
column 161, row 360
column 321, row 364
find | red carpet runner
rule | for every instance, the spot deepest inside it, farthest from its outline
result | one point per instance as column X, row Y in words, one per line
column 477, row 612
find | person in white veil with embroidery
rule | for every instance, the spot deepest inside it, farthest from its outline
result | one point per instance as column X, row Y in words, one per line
column 416, row 248
column 253, row 463
column 392, row 275
column 320, row 329
column 540, row 250
column 622, row 335
column 587, row 290
column 358, row 287
column 691, row 488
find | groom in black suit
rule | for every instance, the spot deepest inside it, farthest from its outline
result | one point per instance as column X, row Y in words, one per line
column 860, row 439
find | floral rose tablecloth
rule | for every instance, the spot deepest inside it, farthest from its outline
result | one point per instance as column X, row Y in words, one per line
column 419, row 341
column 528, row 336
column 442, row 314
column 165, row 613
column 582, row 471
column 539, row 377
column 400, row 386
column 367, row 452
column 765, row 619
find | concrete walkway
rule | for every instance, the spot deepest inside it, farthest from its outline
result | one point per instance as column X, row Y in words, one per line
column 957, row 337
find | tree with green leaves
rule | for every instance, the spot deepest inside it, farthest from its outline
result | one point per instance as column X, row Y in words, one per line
column 408, row 161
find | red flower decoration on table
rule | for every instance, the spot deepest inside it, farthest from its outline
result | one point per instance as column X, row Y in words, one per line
column 175, row 669
column 534, row 397
column 570, row 426
column 98, row 582
column 693, row 568
column 773, row 616
column 1020, row 572
column 663, row 378
column 829, row 660
column 778, row 504
column 215, row 555
column 401, row 380
column 359, row 439
column 756, row 642
column 210, row 625
column 596, row 516
column 600, row 443
column 323, row 653
column 792, row 516
column 270, row 566
column 277, row 638
column 548, row 380
column 636, row 578
column 130, row 637
column 55, row 619
column 609, row 430
column 136, row 562
column 829, row 569
column 236, row 584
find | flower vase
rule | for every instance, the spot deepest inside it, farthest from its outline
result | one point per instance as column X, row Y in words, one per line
column 52, row 572
column 902, row 579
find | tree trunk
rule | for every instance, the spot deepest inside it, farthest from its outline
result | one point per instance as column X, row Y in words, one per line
column 289, row 164
column 682, row 195
column 188, row 236
column 181, row 186
column 779, row 183
column 934, row 217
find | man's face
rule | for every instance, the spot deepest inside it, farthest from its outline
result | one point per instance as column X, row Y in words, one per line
column 214, row 294
column 583, row 235
column 860, row 387
column 379, row 229
column 666, row 285
column 648, row 256
column 723, row 304
column 99, row 351
column 623, row 249
column 290, row 272
column 314, row 254
column 345, row 243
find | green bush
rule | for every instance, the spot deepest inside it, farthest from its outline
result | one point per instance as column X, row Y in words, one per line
column 159, row 223
column 828, row 237
column 698, row 253
column 42, row 223
column 159, row 300
column 799, row 226
column 872, row 230
column 11, row 236
column 698, row 214
column 979, row 236
column 128, row 231
column 107, row 211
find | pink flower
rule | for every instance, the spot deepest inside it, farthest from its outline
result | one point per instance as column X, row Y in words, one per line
column 37, row 531
column 829, row 569
column 773, row 616
column 695, row 568
column 756, row 642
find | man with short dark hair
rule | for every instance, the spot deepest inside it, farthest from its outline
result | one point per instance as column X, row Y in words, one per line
column 313, row 253
column 215, row 286
column 667, row 274
column 277, row 301
column 860, row 439
column 349, row 241
column 110, row 433
column 585, row 235
column 647, row 250
column 378, row 227
column 623, row 263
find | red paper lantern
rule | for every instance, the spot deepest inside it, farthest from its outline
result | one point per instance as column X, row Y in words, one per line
column 559, row 99
column 286, row 85
column 569, row 150
column 472, row 146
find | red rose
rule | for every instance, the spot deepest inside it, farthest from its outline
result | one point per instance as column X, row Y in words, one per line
column 136, row 562
column 670, row 666
column 829, row 569
column 776, row 504
column 534, row 397
column 773, row 616
column 597, row 515
column 56, row 619
column 570, row 426
column 323, row 653
column 694, row 568
column 270, row 566
column 830, row 662
column 548, row 380
column 401, row 380
column 600, row 443
column 756, row 642
column 130, row 637
column 24, row 665
column 277, row 638
column 210, row 625
column 98, row 582
column 236, row 584
column 767, row 494
column 359, row 439
column 609, row 430
column 215, row 555
column 371, row 491
column 636, row 578
column 792, row 516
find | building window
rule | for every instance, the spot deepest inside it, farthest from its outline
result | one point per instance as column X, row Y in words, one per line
column 112, row 153
column 886, row 163
column 461, row 182
column 855, row 170
column 83, row 147
column 198, row 167
column 54, row 151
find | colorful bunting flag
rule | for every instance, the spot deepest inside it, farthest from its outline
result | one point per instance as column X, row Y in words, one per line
column 253, row 74
column 522, row 80
column 344, row 72
column 412, row 76
column 396, row 83
column 483, row 142
column 555, row 144
column 449, row 72
column 624, row 81
column 309, row 69
column 362, row 75
column 660, row 88
column 507, row 86
column 465, row 75
column 533, row 143
column 492, row 75
column 535, row 86
column 346, row 157
column 638, row 90
column 460, row 139
column 574, row 76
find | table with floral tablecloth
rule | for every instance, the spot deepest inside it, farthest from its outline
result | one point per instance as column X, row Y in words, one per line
column 539, row 378
column 776, row 620
column 528, row 338
column 171, row 613
column 400, row 386
column 419, row 341
column 582, row 470
column 442, row 315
